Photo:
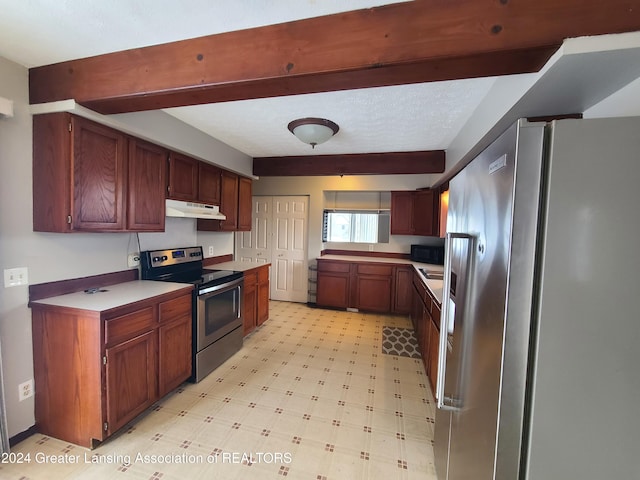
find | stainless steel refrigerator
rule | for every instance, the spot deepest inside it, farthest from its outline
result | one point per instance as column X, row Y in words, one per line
column 539, row 374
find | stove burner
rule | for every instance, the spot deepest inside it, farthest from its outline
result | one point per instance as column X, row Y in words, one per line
column 183, row 265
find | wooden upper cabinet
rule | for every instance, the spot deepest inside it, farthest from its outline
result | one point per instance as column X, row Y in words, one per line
column 423, row 213
column 79, row 175
column 146, row 192
column 402, row 213
column 209, row 177
column 229, row 201
column 415, row 212
column 99, row 176
column 183, row 177
column 89, row 177
column 245, row 204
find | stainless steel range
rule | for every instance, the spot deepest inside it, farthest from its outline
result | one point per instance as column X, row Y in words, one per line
column 217, row 303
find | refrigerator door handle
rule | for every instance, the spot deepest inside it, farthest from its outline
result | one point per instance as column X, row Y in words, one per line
column 448, row 318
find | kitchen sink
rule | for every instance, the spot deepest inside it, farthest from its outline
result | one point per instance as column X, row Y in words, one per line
column 431, row 275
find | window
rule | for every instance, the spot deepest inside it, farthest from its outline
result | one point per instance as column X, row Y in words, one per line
column 353, row 226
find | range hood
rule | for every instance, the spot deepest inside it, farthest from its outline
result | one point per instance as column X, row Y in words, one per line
column 178, row 208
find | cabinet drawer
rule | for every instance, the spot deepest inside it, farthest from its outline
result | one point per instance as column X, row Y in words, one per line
column 338, row 267
column 175, row 309
column 127, row 326
column 368, row 269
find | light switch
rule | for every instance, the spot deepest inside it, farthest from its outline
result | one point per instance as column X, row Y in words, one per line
column 16, row 276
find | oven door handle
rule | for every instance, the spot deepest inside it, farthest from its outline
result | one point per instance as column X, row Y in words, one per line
column 215, row 288
column 239, row 287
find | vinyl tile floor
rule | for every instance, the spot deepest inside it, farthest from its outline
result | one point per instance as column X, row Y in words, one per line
column 309, row 396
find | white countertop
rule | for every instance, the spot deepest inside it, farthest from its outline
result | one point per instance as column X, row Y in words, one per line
column 113, row 295
column 236, row 266
column 435, row 286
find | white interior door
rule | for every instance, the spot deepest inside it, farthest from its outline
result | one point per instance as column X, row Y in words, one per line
column 255, row 246
column 289, row 248
column 279, row 236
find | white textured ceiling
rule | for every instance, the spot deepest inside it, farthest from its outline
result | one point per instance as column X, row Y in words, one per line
column 40, row 32
column 403, row 118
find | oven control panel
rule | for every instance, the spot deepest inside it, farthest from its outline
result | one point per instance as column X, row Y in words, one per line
column 174, row 256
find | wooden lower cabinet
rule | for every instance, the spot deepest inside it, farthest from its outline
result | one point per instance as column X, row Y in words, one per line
column 334, row 284
column 367, row 286
column 373, row 293
column 255, row 298
column 373, row 285
column 425, row 316
column 403, row 292
column 131, row 371
column 95, row 371
column 262, row 309
column 174, row 351
column 250, row 302
column 432, row 368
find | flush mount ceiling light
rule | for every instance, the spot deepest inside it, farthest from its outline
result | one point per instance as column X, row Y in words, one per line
column 313, row 131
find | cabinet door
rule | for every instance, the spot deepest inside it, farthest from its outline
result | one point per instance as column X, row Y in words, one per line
column 432, row 371
column 131, row 373
column 332, row 289
column 229, row 201
column 250, row 297
column 403, row 290
column 99, row 176
column 52, row 188
column 208, row 184
column 245, row 202
column 416, row 307
column 402, row 213
column 262, row 309
column 183, row 177
column 373, row 293
column 174, row 343
column 423, row 213
column 174, row 354
column 146, row 186
column 424, row 339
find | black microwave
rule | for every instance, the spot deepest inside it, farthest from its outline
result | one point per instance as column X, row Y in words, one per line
column 427, row 254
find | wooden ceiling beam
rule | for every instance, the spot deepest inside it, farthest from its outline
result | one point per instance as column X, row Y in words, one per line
column 418, row 41
column 394, row 163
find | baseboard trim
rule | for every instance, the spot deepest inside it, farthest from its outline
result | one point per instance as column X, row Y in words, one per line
column 32, row 430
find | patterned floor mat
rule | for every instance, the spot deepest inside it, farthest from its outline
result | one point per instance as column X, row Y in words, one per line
column 400, row 341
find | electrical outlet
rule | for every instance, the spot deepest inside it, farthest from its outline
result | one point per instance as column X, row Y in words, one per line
column 133, row 260
column 210, row 250
column 25, row 390
column 16, row 276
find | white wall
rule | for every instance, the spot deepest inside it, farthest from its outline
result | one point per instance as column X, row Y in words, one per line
column 315, row 186
column 52, row 256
